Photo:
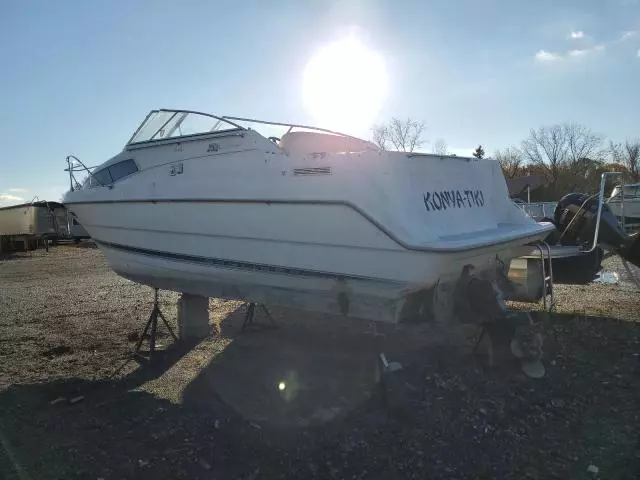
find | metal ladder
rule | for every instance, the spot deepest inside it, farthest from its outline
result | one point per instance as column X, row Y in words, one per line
column 547, row 280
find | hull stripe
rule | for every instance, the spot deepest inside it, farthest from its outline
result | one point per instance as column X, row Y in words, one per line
column 237, row 264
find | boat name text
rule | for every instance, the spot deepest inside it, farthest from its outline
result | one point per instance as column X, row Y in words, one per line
column 453, row 199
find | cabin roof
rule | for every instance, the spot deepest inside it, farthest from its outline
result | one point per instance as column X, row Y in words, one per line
column 40, row 203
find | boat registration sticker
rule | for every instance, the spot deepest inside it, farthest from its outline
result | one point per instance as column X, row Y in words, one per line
column 176, row 169
column 445, row 199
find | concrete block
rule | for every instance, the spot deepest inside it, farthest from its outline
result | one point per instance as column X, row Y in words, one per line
column 193, row 317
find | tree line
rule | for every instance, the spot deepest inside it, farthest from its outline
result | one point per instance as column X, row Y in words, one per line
column 569, row 156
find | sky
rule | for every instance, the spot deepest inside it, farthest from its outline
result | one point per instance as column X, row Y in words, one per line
column 78, row 76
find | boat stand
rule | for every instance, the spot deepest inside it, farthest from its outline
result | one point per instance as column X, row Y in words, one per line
column 250, row 316
column 151, row 328
column 499, row 334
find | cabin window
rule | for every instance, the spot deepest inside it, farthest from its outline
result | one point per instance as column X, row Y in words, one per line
column 101, row 177
column 122, row 169
column 113, row 173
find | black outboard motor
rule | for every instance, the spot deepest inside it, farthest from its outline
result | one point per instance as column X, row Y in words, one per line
column 575, row 217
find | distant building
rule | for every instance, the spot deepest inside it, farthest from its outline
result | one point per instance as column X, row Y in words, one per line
column 518, row 186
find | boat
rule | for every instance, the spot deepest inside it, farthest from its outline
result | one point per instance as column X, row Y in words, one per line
column 312, row 219
column 586, row 228
column 624, row 202
column 572, row 263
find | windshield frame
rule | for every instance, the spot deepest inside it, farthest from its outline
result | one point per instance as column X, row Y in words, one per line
column 153, row 113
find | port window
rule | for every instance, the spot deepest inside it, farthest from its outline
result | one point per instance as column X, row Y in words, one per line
column 122, row 169
column 113, row 173
column 101, row 177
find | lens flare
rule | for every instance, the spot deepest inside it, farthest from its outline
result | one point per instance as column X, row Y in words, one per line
column 345, row 85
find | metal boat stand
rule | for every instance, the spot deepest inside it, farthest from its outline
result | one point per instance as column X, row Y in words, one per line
column 499, row 334
column 250, row 316
column 151, row 328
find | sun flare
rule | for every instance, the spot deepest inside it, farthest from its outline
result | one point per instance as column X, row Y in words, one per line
column 344, row 85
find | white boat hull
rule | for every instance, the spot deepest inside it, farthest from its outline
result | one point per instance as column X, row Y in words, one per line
column 228, row 253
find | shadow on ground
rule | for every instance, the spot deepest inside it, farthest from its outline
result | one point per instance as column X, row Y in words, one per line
column 309, row 370
column 7, row 256
column 458, row 419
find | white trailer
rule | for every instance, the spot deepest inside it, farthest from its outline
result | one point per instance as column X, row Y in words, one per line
column 28, row 224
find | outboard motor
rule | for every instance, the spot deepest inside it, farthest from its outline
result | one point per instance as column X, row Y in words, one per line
column 575, row 217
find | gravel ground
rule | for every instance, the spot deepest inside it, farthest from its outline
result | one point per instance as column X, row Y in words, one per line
column 74, row 404
column 617, row 297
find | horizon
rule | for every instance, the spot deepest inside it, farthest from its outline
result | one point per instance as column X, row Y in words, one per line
column 81, row 77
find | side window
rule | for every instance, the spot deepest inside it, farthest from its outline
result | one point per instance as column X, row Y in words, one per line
column 101, row 177
column 122, row 169
column 113, row 173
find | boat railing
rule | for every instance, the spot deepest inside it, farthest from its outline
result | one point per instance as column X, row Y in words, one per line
column 290, row 125
column 544, row 250
column 78, row 167
column 603, row 181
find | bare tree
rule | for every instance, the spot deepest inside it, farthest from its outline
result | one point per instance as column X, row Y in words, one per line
column 380, row 136
column 582, row 142
column 511, row 161
column 627, row 155
column 402, row 135
column 565, row 149
column 546, row 147
column 583, row 148
column 440, row 147
column 615, row 152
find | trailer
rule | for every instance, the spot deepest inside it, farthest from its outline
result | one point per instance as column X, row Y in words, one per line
column 30, row 224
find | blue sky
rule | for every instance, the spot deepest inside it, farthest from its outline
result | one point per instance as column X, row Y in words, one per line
column 78, row 76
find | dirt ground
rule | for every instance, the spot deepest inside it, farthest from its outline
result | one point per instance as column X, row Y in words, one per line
column 302, row 400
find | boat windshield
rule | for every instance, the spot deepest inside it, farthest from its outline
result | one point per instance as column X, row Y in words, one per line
column 162, row 124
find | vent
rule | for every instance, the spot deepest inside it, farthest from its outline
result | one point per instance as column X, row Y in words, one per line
column 312, row 171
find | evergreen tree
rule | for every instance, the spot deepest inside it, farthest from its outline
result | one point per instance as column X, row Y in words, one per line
column 479, row 152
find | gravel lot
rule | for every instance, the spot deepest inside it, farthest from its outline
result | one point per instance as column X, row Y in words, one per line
column 620, row 300
column 74, row 404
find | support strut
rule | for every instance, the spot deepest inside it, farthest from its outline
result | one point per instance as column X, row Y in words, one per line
column 250, row 315
column 151, row 329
